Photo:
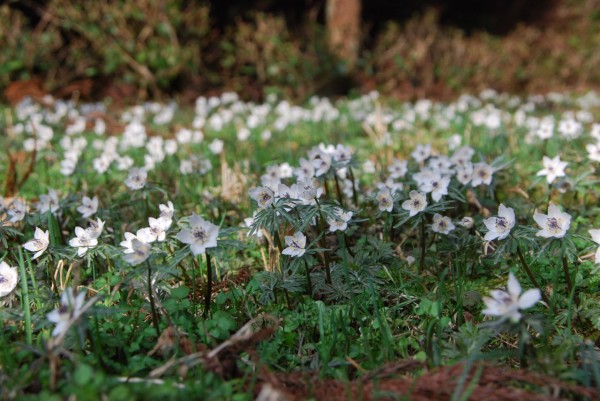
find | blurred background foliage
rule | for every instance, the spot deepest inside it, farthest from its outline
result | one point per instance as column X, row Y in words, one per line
column 156, row 48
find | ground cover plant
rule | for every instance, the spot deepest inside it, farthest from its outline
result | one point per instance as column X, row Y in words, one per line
column 355, row 249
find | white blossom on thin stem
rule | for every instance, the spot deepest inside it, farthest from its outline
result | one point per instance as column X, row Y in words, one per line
column 416, row 204
column 82, row 241
column 264, row 196
column 216, row 146
column 136, row 178
column 421, row 153
column 507, row 305
column 166, row 211
column 442, row 224
column 128, row 243
column 157, row 230
column 552, row 168
column 340, row 221
column 499, row 227
column 49, row 202
column 466, row 222
column 8, row 279
column 89, row 206
column 201, row 235
column 95, row 228
column 296, row 244
column 595, row 234
column 385, row 202
column 306, row 171
column 554, row 225
column 482, row 174
column 140, row 251
column 308, row 192
column 17, row 210
column 593, row 151
column 39, row 243
column 437, row 185
column 70, row 309
column 398, row 168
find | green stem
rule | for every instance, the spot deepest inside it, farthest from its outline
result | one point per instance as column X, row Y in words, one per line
column 195, row 285
column 423, row 247
column 208, row 293
column 151, row 296
column 324, row 244
column 25, row 298
column 565, row 266
column 338, row 190
column 531, row 276
column 38, row 301
column 354, row 194
column 309, row 281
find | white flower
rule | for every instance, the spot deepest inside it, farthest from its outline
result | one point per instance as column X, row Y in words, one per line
column 340, row 222
column 216, row 146
column 127, row 244
column 307, row 191
column 555, row 224
column 501, row 225
column 95, row 228
column 49, row 202
column 140, row 251
column 17, row 210
column 272, row 178
column 305, row 171
column 156, row 232
column 442, row 224
column 507, row 304
column 68, row 311
column 466, row 222
column 82, row 241
column 368, row 167
column 552, row 168
column 166, row 215
column 464, row 173
column 342, row 154
column 593, row 151
column 421, row 153
column 8, row 279
column 385, row 202
column 136, row 179
column 398, row 168
column 88, row 206
column 201, row 235
column 482, row 174
column 595, row 233
column 295, row 244
column 462, row 156
column 263, row 196
column 322, row 164
column 102, row 163
column 417, row 203
column 437, row 185
column 39, row 244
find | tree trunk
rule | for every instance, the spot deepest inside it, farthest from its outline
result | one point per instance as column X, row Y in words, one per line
column 343, row 30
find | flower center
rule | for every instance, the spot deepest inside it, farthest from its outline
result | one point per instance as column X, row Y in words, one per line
column 265, row 197
column 553, row 224
column 3, row 279
column 199, row 234
column 416, row 203
column 501, row 224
